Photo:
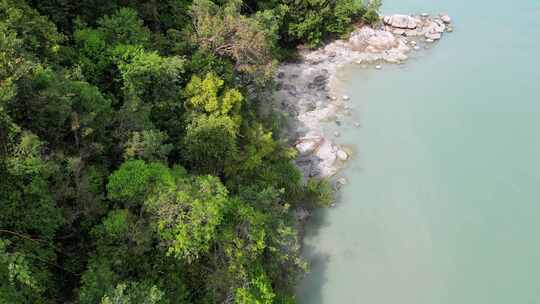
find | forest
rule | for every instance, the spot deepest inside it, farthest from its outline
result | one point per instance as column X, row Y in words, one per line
column 135, row 165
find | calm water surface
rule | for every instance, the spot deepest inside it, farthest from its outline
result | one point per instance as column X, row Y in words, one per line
column 443, row 205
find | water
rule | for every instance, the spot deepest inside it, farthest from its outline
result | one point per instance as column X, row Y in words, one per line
column 443, row 205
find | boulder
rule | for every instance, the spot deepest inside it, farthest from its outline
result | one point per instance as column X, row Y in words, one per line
column 368, row 39
column 308, row 145
column 319, row 81
column 342, row 181
column 438, row 26
column 433, row 36
column 399, row 31
column 446, row 19
column 342, row 155
column 401, row 21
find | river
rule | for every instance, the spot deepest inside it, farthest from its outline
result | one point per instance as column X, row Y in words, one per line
column 443, row 200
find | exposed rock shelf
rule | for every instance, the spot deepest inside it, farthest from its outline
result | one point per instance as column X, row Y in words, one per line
column 307, row 92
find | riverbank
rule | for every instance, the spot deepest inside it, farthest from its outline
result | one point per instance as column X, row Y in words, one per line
column 307, row 93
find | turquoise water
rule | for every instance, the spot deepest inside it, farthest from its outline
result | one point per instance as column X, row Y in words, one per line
column 443, row 201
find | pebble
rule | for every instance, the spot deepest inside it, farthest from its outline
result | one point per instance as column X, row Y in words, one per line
column 346, row 97
column 425, row 15
column 450, row 29
column 357, row 124
column 359, row 61
column 342, row 155
column 342, row 181
column 337, row 134
column 429, row 40
column 378, row 67
column 416, row 48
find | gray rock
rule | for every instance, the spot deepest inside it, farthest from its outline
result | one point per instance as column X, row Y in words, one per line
column 320, row 80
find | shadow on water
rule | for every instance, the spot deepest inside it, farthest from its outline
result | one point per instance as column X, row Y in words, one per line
column 311, row 286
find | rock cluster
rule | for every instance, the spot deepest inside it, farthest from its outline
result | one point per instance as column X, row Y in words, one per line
column 305, row 91
column 417, row 26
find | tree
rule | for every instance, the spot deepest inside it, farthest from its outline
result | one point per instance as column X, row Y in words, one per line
column 134, row 293
column 225, row 32
column 312, row 21
column 187, row 215
column 39, row 36
column 210, row 143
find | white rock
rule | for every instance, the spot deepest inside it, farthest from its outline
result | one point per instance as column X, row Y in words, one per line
column 337, row 134
column 429, row 40
column 425, row 15
column 346, row 97
column 308, row 145
column 417, row 48
column 446, row 19
column 357, row 124
column 433, row 36
column 438, row 26
column 378, row 67
column 450, row 29
column 359, row 61
column 342, row 155
column 342, row 181
column 413, row 23
column 398, row 31
column 401, row 21
column 370, row 40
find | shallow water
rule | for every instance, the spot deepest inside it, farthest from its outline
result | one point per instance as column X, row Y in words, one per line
column 443, row 201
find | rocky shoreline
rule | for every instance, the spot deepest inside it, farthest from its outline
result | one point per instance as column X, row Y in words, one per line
column 307, row 89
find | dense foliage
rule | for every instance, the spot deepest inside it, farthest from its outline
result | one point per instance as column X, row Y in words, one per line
column 134, row 165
